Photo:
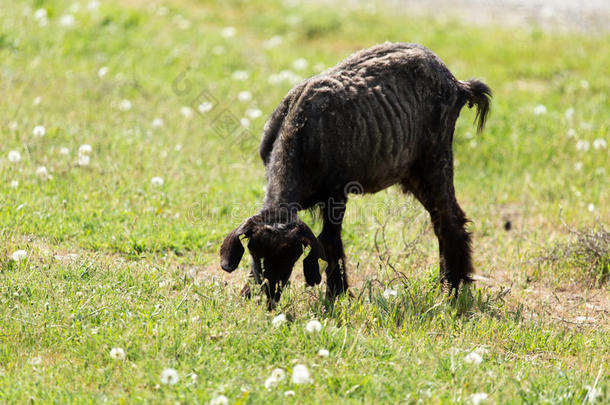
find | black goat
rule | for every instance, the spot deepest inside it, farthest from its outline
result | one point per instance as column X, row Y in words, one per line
column 384, row 116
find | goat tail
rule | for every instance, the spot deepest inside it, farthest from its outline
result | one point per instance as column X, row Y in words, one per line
column 479, row 94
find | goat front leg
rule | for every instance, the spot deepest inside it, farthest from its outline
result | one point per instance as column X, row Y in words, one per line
column 330, row 238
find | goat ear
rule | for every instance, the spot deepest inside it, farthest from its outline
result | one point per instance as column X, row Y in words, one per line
column 231, row 249
column 311, row 269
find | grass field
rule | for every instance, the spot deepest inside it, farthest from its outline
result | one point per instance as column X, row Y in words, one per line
column 121, row 237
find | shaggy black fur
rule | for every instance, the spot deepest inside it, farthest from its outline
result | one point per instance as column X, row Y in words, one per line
column 384, row 116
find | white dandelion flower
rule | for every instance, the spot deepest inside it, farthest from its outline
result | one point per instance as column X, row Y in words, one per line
column 271, row 382
column 84, row 160
column 253, row 113
column 35, row 361
column 278, row 320
column 64, row 151
column 14, row 156
column 584, row 84
column 37, row 100
column 240, row 75
column 244, row 96
column 578, row 166
column 278, row 373
column 389, row 293
column 540, row 109
column 42, row 172
column 571, row 133
column 67, row 20
column 323, row 353
column 103, row 71
column 125, row 105
column 591, row 207
column 187, row 112
column 289, row 393
column 244, row 122
column 178, row 147
column 599, row 143
column 228, row 32
column 95, row 331
column 300, row 375
column 40, row 14
column 219, row 400
column 194, row 377
column 169, row 376
column 473, row 358
column 14, row 183
column 156, row 181
column 582, row 145
column 84, row 149
column 479, row 397
column 156, row 123
column 569, row 113
column 19, row 255
column 13, row 126
column 300, row 64
column 313, row 326
column 204, row 107
column 117, row 353
column 273, row 42
column 39, row 131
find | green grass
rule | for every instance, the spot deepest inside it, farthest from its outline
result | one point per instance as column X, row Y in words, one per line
column 146, row 275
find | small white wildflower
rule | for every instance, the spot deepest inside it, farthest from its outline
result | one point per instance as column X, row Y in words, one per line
column 194, row 377
column 83, row 160
column 244, row 96
column 278, row 320
column 95, row 331
column 67, row 20
column 582, row 145
column 157, row 123
column 14, row 156
column 473, row 358
column 240, row 75
column 591, row 207
column 599, row 143
column 102, row 71
column 84, row 149
column 39, row 131
column 40, row 14
column 578, row 166
column 35, row 361
column 219, row 400
column 584, row 84
column 37, row 100
column 569, row 113
column 19, row 255
column 271, row 382
column 300, row 375
column 117, row 353
column 289, row 393
column 279, row 374
column 244, row 122
column 187, row 112
column 64, row 151
column 323, row 353
column 178, row 147
column 253, row 113
column 169, row 376
column 571, row 133
column 42, row 172
column 162, row 11
column 14, row 183
column 125, row 105
column 93, row 5
column 195, row 318
column 313, row 326
column 156, row 181
column 13, row 125
column 540, row 109
column 228, row 32
column 300, row 64
column 273, row 42
column 204, row 107
column 479, row 397
column 183, row 23
column 390, row 293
